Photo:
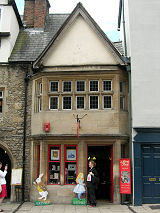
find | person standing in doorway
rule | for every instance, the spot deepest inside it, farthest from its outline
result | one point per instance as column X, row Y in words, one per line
column 92, row 183
column 3, row 193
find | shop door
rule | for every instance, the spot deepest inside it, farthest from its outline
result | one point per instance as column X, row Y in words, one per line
column 151, row 173
column 103, row 156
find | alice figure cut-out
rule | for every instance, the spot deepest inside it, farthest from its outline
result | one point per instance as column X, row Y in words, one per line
column 79, row 188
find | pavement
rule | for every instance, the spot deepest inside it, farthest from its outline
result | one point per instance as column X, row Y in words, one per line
column 29, row 207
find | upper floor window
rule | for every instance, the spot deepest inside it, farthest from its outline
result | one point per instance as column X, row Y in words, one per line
column 121, row 86
column 67, row 86
column 93, row 101
column 121, row 102
column 107, row 85
column 40, row 98
column 40, row 88
column 1, row 101
column 54, row 86
column 80, row 86
column 53, row 103
column 93, row 86
column 80, row 102
column 107, row 102
column 67, row 102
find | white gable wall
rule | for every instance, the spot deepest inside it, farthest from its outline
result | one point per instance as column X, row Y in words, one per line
column 79, row 45
column 8, row 23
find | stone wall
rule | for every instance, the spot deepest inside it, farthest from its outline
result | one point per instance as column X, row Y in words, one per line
column 12, row 119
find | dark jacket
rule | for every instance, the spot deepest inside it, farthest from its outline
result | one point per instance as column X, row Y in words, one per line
column 94, row 179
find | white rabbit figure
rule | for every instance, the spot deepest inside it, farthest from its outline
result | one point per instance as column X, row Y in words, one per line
column 41, row 188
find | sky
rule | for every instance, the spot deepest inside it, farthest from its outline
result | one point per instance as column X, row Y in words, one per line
column 104, row 12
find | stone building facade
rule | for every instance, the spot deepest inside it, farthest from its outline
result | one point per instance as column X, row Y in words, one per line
column 12, row 84
column 66, row 90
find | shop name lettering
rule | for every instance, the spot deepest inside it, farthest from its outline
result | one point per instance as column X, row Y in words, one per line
column 125, row 163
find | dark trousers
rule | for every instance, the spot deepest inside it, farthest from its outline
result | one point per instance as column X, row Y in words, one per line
column 92, row 195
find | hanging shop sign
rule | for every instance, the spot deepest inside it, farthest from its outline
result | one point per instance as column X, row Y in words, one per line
column 125, row 175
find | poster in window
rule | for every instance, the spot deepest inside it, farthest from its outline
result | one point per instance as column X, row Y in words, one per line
column 71, row 154
column 54, row 154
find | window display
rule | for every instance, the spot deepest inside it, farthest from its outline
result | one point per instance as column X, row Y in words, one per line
column 70, row 164
column 54, row 164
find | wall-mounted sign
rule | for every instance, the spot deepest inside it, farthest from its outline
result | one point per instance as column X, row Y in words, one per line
column 125, row 175
column 47, row 127
column 16, row 178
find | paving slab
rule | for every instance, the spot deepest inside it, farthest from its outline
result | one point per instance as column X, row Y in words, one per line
column 29, row 207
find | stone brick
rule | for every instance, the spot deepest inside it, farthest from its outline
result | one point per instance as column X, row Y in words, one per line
column 12, row 120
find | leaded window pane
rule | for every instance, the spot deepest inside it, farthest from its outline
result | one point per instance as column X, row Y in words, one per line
column 67, row 103
column 53, row 102
column 93, row 86
column 93, row 102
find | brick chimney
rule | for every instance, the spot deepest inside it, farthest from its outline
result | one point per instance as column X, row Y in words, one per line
column 35, row 12
column 29, row 13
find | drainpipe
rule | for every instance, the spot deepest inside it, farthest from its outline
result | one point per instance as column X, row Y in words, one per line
column 122, row 13
column 26, row 79
column 124, row 29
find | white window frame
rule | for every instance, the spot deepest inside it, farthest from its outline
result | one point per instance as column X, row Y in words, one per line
column 50, row 86
column 98, row 102
column 84, row 102
column 103, row 86
column 71, row 102
column 63, row 87
column 111, row 102
column 1, row 97
column 84, row 86
column 50, row 102
column 39, row 102
column 40, row 88
column 89, row 85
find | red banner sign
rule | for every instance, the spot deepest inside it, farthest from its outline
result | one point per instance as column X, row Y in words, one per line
column 125, row 175
column 77, row 129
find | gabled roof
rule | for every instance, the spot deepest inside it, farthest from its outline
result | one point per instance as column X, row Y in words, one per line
column 80, row 10
column 32, row 44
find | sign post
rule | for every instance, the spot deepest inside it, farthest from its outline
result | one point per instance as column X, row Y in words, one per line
column 125, row 175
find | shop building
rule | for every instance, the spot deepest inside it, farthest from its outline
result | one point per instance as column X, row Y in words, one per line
column 79, row 102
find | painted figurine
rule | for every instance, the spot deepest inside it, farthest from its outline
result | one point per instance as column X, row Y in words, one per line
column 41, row 188
column 79, row 188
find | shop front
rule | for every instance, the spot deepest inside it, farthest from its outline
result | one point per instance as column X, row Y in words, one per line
column 61, row 159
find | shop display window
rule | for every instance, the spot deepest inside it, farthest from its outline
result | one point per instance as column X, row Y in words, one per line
column 54, row 164
column 70, row 163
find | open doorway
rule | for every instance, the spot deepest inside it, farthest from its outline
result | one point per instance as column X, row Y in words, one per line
column 4, row 158
column 102, row 155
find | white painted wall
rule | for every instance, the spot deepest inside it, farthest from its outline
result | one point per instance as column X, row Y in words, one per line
column 8, row 23
column 144, row 19
column 3, row 2
column 80, row 45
